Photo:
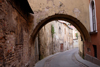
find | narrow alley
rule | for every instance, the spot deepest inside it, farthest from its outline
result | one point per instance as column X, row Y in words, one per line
column 68, row 58
column 50, row 33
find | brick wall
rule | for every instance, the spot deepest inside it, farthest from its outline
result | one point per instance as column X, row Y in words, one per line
column 15, row 47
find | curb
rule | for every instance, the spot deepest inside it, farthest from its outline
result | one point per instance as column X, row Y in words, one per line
column 87, row 63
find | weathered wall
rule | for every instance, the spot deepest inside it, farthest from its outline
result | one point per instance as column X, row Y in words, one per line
column 60, row 41
column 75, row 8
column 15, row 47
column 68, row 36
column 45, row 41
column 81, row 45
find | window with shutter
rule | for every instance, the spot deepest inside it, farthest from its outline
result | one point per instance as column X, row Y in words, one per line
column 93, row 24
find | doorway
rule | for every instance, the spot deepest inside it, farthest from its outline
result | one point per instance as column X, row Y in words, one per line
column 61, row 47
column 95, row 50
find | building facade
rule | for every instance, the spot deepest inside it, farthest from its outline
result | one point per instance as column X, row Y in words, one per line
column 19, row 27
column 54, row 37
column 92, row 49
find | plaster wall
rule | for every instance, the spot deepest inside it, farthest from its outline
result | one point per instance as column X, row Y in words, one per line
column 76, row 8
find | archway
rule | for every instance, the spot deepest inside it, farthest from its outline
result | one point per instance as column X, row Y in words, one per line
column 75, row 22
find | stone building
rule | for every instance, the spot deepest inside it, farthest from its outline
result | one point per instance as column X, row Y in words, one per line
column 75, row 37
column 68, row 35
column 54, row 37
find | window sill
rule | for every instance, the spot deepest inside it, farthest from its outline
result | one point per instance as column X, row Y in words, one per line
column 93, row 32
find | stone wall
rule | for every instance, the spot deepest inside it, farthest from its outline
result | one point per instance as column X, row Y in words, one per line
column 92, row 59
column 45, row 41
column 15, row 47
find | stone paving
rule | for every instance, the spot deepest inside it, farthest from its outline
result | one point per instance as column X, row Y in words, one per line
column 68, row 58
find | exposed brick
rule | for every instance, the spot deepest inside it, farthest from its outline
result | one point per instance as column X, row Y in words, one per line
column 1, row 58
column 1, row 61
column 1, row 1
column 1, row 38
column 12, row 25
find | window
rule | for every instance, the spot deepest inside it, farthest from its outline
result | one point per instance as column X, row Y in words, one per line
column 59, row 30
column 88, row 49
column 93, row 24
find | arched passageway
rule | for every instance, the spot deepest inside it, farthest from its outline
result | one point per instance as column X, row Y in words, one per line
column 75, row 22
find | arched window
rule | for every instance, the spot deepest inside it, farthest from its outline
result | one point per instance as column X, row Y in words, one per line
column 93, row 23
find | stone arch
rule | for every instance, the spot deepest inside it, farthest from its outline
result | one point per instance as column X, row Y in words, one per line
column 74, row 21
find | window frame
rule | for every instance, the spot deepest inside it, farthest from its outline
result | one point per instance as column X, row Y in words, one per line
column 93, row 25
